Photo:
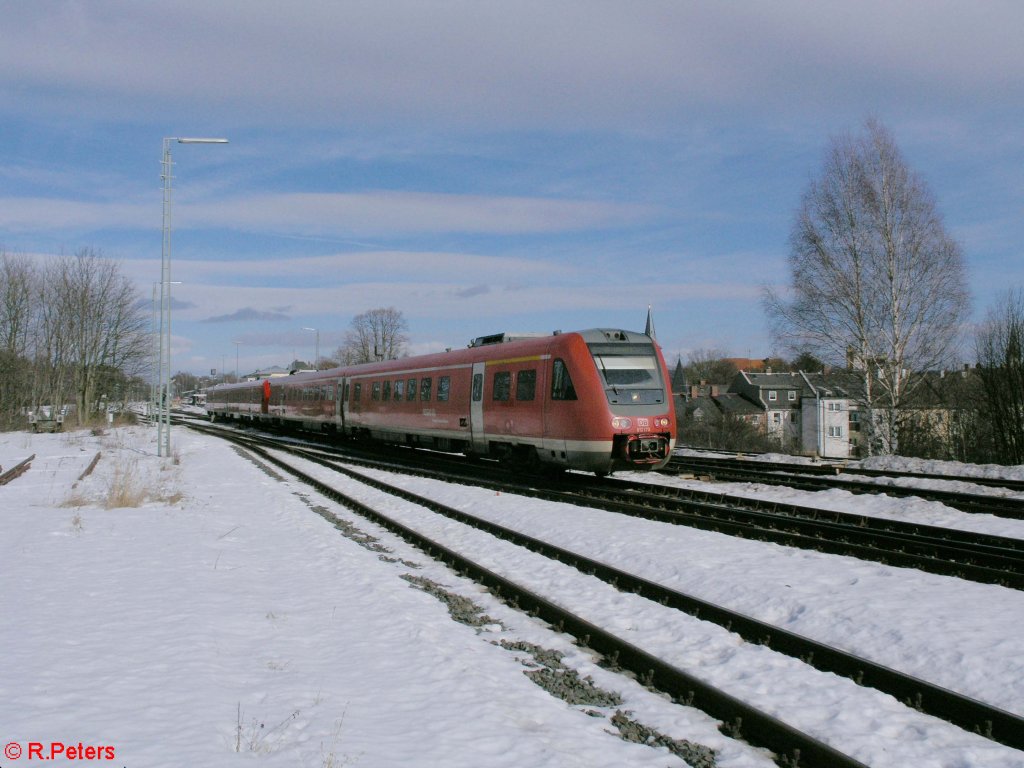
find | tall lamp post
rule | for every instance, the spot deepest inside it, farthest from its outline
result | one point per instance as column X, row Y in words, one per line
column 163, row 437
column 236, row 343
column 154, row 377
column 316, row 358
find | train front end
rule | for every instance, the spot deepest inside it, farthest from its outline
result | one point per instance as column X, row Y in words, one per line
column 638, row 393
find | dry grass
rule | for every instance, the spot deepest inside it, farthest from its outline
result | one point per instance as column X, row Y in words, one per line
column 125, row 489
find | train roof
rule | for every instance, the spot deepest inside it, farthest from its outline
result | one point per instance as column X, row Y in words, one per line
column 589, row 336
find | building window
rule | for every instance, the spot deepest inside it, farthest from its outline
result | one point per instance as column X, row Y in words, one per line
column 835, row 431
column 792, row 395
column 773, row 395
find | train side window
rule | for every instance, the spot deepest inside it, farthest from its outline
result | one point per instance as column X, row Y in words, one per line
column 561, row 382
column 444, row 384
column 425, row 385
column 526, row 384
column 400, row 390
column 387, row 391
column 357, row 392
column 410, row 392
column 502, row 386
column 478, row 387
column 376, row 390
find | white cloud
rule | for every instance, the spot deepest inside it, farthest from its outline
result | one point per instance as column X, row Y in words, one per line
column 527, row 63
column 359, row 214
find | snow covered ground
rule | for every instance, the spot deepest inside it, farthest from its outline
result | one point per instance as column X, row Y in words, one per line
column 221, row 620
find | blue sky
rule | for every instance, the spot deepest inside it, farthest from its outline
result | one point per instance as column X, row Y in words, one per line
column 485, row 166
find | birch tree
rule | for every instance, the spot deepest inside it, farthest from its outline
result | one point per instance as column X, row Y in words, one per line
column 875, row 279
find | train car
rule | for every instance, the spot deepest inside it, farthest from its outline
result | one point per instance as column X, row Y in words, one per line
column 597, row 400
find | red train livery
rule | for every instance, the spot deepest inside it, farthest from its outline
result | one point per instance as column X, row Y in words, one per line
column 596, row 400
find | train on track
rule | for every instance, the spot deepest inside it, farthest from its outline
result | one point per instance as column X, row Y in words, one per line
column 597, row 400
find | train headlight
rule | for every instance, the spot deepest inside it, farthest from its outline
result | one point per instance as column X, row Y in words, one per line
column 621, row 422
column 662, row 422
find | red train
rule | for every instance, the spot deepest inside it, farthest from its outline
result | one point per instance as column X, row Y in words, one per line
column 596, row 400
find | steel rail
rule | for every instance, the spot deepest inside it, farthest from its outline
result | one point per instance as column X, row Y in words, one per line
column 963, row 711
column 834, row 470
column 792, row 746
column 976, row 557
column 965, row 502
column 17, row 470
column 958, row 709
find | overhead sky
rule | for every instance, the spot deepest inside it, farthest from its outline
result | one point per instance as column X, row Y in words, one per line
column 488, row 166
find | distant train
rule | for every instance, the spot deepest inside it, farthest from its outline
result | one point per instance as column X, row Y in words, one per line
column 597, row 400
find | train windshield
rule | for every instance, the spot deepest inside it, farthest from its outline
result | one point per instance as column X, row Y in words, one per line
column 630, row 375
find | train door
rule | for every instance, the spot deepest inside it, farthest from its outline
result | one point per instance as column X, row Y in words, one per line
column 265, row 400
column 476, row 410
column 340, row 404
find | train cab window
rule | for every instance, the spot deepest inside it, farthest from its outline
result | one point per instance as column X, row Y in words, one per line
column 410, row 392
column 526, row 384
column 387, row 391
column 376, row 390
column 502, row 386
column 478, row 387
column 425, row 386
column 357, row 392
column 399, row 390
column 561, row 382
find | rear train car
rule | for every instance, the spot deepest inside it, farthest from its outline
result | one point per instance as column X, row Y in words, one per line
column 596, row 400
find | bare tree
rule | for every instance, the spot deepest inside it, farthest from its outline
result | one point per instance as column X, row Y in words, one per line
column 999, row 344
column 709, row 365
column 377, row 334
column 92, row 331
column 875, row 279
column 18, row 279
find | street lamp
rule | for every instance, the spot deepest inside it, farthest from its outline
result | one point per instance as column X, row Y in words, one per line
column 316, row 358
column 236, row 343
column 154, row 379
column 164, row 395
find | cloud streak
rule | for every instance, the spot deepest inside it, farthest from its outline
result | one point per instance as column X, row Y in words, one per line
column 249, row 314
column 361, row 214
column 590, row 61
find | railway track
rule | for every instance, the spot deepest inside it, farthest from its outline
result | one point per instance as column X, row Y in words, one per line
column 943, row 551
column 757, row 727
column 816, row 478
column 17, row 470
